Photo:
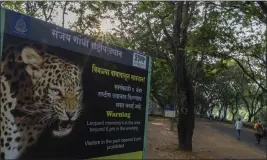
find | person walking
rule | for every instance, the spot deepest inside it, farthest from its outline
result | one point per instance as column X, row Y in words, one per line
column 238, row 127
column 259, row 130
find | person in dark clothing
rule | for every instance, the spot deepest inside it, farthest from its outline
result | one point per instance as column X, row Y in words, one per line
column 259, row 130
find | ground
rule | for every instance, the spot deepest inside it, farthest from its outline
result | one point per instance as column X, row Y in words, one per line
column 211, row 140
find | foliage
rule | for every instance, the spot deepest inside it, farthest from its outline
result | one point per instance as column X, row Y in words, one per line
column 162, row 89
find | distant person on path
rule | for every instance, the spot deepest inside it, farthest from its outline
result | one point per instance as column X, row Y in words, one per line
column 238, row 127
column 259, row 130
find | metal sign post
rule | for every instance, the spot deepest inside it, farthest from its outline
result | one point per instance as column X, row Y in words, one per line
column 170, row 112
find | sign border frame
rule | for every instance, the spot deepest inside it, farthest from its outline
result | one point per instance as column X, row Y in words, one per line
column 147, row 106
column 2, row 28
column 149, row 69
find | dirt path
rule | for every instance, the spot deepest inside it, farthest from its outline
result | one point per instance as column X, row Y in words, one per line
column 208, row 143
column 247, row 135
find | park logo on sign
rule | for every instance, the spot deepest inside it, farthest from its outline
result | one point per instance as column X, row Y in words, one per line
column 139, row 61
column 20, row 25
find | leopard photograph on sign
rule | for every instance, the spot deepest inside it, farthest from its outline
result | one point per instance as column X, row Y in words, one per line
column 65, row 95
column 39, row 89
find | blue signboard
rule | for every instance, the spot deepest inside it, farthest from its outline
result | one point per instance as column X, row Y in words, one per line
column 37, row 30
column 170, row 107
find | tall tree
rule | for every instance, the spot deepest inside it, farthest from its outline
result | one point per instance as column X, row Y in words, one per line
column 161, row 29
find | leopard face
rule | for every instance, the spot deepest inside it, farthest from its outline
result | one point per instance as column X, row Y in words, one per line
column 57, row 90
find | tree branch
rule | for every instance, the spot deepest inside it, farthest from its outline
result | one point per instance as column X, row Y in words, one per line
column 243, row 9
column 263, row 6
column 254, row 98
column 166, row 33
column 186, row 20
column 158, row 50
column 159, row 100
column 250, row 76
column 177, row 22
column 246, row 102
column 64, row 12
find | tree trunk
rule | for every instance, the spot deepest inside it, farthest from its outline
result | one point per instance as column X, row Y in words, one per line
column 250, row 116
column 182, row 79
column 234, row 114
column 63, row 13
column 224, row 113
column 220, row 110
column 186, row 121
column 211, row 110
column 203, row 110
column 266, row 55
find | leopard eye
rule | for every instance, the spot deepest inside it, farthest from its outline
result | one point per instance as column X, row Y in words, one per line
column 55, row 92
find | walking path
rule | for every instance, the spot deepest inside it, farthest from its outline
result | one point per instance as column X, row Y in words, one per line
column 247, row 135
column 212, row 140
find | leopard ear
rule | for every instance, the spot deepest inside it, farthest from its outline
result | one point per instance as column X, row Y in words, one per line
column 33, row 63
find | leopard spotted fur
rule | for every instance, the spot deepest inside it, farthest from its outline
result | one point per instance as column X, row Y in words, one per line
column 38, row 90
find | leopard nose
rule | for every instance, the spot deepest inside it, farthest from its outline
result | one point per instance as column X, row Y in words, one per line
column 70, row 114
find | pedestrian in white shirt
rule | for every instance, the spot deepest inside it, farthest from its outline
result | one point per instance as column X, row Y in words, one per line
column 238, row 127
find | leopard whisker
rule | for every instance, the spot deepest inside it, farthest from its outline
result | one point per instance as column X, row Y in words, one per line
column 81, row 110
column 49, row 118
column 33, row 111
column 47, row 106
column 46, row 117
column 53, row 118
column 25, row 116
